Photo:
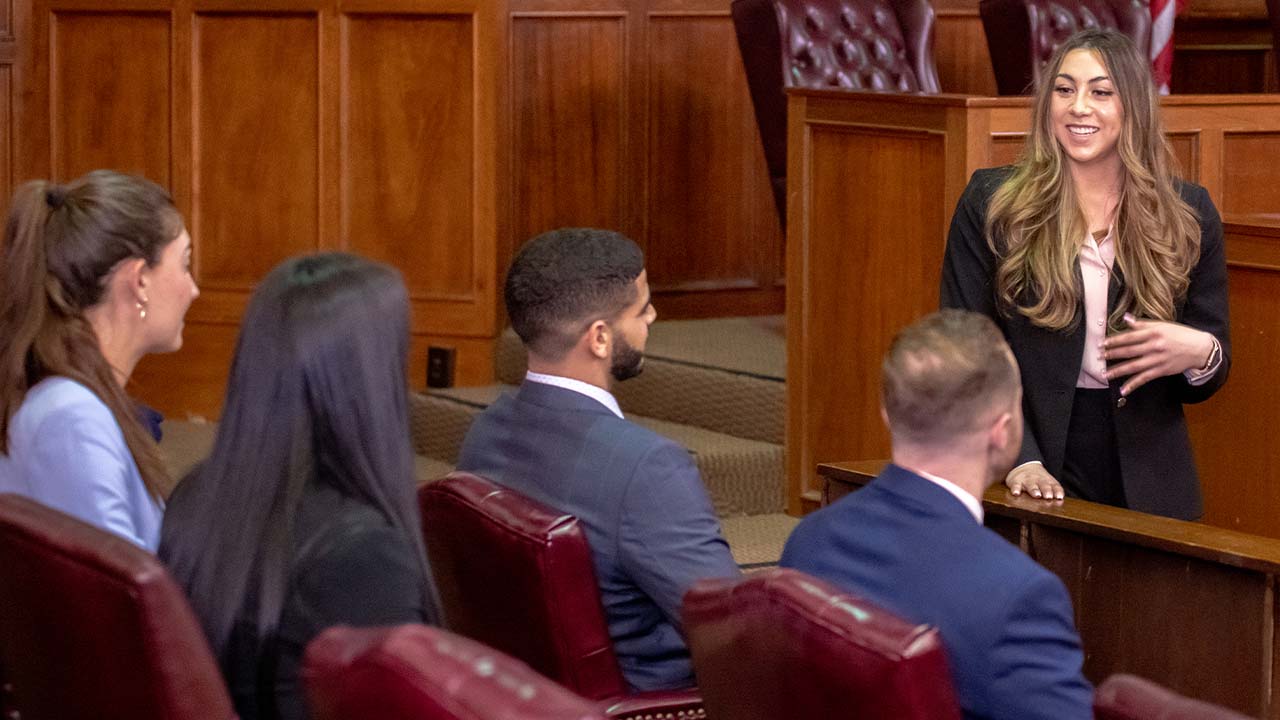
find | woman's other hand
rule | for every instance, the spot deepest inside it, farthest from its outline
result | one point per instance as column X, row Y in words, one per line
column 1154, row 348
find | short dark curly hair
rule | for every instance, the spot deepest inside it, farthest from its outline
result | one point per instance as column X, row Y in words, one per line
column 563, row 280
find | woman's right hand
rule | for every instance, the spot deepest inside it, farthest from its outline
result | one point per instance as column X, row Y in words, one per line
column 1034, row 480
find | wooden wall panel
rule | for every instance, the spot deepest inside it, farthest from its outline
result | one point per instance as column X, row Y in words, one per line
column 853, row 261
column 711, row 219
column 1125, row 606
column 408, row 144
column 960, row 50
column 6, row 133
column 1252, row 185
column 1227, row 474
column 111, row 93
column 1005, row 148
column 1186, row 148
column 256, row 137
column 571, row 129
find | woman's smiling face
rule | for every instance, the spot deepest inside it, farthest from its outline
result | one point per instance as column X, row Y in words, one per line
column 1086, row 111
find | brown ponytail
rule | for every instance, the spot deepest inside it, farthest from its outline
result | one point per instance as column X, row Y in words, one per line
column 60, row 244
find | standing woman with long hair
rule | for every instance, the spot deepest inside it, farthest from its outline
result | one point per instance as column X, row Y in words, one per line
column 1107, row 275
column 96, row 274
column 304, row 516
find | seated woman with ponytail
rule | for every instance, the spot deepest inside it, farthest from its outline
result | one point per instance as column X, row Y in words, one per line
column 96, row 274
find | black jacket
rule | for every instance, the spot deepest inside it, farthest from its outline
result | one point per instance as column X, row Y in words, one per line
column 1151, row 434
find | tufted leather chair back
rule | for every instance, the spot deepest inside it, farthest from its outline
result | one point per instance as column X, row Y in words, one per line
column 93, row 626
column 517, row 576
column 1127, row 697
column 415, row 672
column 1022, row 35
column 884, row 45
column 783, row 644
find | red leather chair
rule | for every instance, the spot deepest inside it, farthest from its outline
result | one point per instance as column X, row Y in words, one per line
column 847, row 44
column 517, row 576
column 415, row 672
column 1126, row 697
column 1023, row 34
column 781, row 644
column 93, row 626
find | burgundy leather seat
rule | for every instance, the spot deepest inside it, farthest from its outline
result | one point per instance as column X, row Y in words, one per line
column 415, row 672
column 93, row 626
column 882, row 45
column 1023, row 34
column 782, row 644
column 1126, row 697
column 517, row 576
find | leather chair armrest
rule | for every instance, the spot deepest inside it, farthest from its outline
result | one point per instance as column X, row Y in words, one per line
column 657, row 705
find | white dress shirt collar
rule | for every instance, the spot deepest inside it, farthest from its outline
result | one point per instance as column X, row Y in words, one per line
column 599, row 394
column 971, row 503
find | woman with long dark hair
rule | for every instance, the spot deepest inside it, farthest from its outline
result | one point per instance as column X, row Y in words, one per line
column 303, row 516
column 96, row 274
column 1107, row 275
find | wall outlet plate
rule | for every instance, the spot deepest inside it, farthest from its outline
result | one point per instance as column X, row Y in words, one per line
column 440, row 364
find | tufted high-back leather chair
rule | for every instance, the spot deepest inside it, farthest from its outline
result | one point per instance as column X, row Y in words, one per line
column 518, row 576
column 1127, row 697
column 415, row 672
column 783, row 644
column 884, row 45
column 93, row 626
column 1023, row 34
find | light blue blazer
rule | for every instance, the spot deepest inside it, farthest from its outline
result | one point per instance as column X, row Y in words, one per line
column 66, row 451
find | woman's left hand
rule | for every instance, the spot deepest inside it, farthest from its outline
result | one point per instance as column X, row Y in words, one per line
column 1155, row 348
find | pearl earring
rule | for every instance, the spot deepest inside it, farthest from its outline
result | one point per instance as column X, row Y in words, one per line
column 142, row 310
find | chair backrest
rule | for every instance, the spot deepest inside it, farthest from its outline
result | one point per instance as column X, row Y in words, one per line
column 1022, row 35
column 415, row 672
column 783, row 644
column 517, row 575
column 1127, row 697
column 850, row 44
column 93, row 626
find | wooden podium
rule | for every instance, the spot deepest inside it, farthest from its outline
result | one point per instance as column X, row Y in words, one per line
column 873, row 179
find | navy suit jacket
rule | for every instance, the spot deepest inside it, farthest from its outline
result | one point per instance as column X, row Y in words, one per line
column 908, row 545
column 640, row 499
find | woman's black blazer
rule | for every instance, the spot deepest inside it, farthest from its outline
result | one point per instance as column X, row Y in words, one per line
column 1151, row 434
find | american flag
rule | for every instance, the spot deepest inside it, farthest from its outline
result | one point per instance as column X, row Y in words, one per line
column 1162, row 14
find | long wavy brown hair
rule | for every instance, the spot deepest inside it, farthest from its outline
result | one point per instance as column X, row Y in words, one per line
column 60, row 245
column 1035, row 224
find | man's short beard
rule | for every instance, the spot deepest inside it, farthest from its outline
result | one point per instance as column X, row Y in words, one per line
column 627, row 362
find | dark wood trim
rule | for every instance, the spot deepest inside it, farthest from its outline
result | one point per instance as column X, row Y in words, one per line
column 1189, row 539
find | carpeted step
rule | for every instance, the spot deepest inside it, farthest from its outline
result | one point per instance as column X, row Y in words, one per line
column 743, row 476
column 725, row 375
column 188, row 443
column 757, row 540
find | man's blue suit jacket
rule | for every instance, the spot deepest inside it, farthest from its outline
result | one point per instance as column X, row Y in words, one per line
column 640, row 499
column 908, row 545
